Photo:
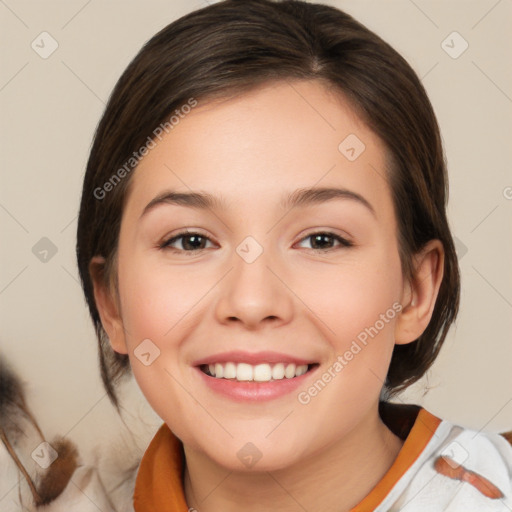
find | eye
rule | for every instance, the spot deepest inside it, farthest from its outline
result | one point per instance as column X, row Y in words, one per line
column 190, row 241
column 324, row 240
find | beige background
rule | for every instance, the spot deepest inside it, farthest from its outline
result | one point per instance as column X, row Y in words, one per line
column 50, row 108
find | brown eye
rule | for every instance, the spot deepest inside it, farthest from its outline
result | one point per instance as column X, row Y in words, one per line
column 325, row 241
column 189, row 242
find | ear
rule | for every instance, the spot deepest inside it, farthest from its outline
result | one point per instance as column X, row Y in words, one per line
column 420, row 293
column 107, row 306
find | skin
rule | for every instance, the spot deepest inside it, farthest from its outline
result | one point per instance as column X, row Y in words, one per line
column 325, row 455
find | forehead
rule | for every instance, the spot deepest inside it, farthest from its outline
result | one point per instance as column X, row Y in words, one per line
column 261, row 144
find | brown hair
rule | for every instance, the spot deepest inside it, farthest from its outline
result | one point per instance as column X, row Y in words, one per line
column 233, row 46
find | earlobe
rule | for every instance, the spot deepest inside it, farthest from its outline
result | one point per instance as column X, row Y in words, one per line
column 420, row 294
column 107, row 306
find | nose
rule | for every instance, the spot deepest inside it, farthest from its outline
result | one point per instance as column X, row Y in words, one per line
column 254, row 294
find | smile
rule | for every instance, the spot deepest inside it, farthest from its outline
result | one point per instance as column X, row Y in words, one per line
column 244, row 372
column 254, row 376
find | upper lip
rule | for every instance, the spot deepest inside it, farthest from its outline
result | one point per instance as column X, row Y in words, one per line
column 252, row 358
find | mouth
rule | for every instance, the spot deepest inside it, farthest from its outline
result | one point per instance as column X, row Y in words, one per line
column 263, row 372
column 254, row 376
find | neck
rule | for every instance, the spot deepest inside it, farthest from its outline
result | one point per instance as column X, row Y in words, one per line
column 334, row 479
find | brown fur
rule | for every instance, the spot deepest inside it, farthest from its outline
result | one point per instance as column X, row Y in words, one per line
column 507, row 436
column 55, row 479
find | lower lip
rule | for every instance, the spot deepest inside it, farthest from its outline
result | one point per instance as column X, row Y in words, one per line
column 254, row 391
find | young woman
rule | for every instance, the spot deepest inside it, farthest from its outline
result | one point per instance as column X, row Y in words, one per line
column 263, row 241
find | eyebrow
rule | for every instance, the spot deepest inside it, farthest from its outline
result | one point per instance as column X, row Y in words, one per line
column 300, row 197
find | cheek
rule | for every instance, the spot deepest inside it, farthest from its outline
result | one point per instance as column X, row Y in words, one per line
column 360, row 312
column 158, row 302
column 357, row 295
column 358, row 305
column 158, row 313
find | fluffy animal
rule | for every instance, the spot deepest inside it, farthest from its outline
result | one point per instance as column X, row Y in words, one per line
column 38, row 474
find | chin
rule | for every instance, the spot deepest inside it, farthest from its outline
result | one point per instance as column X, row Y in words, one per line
column 255, row 454
column 255, row 461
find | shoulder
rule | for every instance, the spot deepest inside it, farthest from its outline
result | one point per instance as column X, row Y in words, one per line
column 478, row 451
column 470, row 468
column 458, row 470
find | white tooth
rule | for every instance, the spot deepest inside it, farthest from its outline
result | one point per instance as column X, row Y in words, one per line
column 289, row 372
column 301, row 370
column 278, row 371
column 262, row 373
column 243, row 371
column 230, row 371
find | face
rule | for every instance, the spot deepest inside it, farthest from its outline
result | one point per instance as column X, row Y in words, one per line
column 225, row 305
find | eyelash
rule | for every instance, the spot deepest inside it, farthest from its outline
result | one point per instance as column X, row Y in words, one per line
column 184, row 234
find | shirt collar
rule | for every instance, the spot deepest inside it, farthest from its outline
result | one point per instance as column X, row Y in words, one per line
column 159, row 483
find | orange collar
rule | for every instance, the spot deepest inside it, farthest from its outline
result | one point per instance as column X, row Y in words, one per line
column 159, row 484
